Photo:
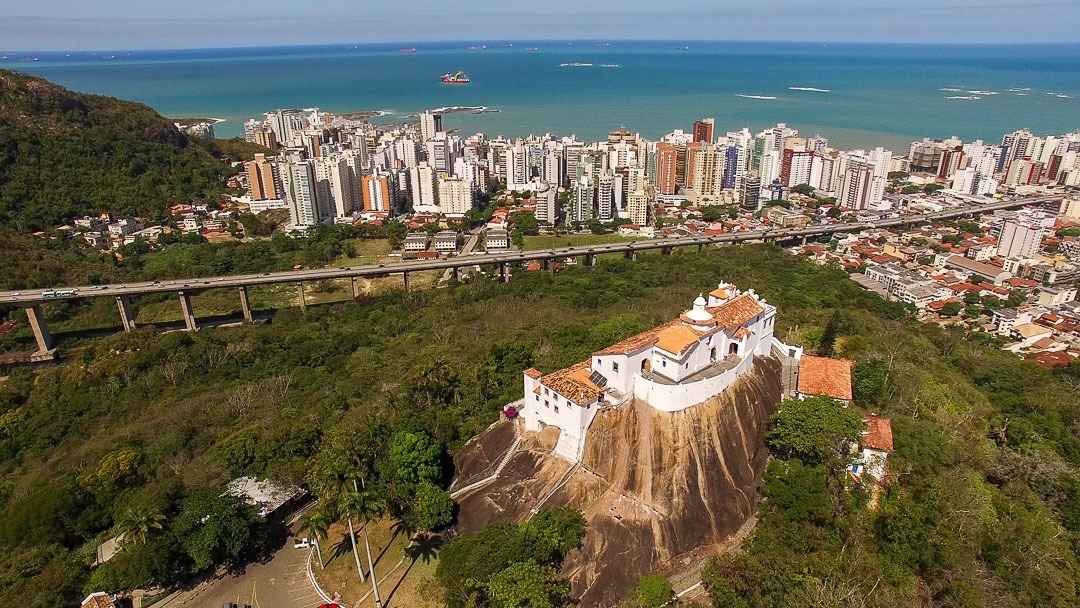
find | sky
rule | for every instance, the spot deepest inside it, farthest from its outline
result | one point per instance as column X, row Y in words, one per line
column 63, row 25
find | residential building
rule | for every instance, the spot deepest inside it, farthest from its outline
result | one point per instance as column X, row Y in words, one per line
column 1019, row 240
column 496, row 240
column 446, row 241
column 416, row 241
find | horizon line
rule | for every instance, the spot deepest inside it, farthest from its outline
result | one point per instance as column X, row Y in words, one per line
column 496, row 41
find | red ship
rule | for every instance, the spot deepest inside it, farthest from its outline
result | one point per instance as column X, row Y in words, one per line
column 458, row 78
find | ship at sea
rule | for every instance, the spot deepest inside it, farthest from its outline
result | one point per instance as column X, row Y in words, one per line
column 458, row 78
column 406, row 50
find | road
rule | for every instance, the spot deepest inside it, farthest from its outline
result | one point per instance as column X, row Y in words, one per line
column 28, row 298
column 281, row 582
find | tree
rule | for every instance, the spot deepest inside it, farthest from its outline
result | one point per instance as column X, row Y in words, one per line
column 517, row 239
column 828, row 336
column 816, row 429
column 212, row 527
column 713, row 213
column 364, row 506
column 137, row 523
column 416, row 457
column 525, row 221
column 555, row 532
column 433, row 508
column 805, row 189
column 951, row 309
column 316, row 525
column 653, row 591
column 527, row 585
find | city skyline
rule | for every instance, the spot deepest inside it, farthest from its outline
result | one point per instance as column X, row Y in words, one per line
column 51, row 25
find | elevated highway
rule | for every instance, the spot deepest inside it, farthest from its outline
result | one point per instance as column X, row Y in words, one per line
column 31, row 300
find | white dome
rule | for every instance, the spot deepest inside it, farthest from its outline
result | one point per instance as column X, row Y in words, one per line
column 699, row 313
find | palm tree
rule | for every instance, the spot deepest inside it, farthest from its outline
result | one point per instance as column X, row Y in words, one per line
column 366, row 506
column 351, row 508
column 137, row 523
column 316, row 525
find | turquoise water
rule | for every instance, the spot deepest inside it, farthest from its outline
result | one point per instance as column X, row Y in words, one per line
column 878, row 94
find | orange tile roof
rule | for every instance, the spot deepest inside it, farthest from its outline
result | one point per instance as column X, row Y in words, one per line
column 573, row 383
column 878, row 435
column 676, row 339
column 720, row 293
column 636, row 343
column 742, row 333
column 733, row 314
column 532, row 372
column 98, row 600
column 826, row 377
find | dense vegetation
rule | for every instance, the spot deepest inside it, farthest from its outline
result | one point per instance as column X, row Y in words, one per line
column 65, row 154
column 981, row 505
column 508, row 565
column 131, row 432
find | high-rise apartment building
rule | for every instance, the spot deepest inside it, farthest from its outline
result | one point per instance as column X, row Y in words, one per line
column 703, row 130
column 1019, row 240
column 430, row 124
column 263, row 179
column 667, row 158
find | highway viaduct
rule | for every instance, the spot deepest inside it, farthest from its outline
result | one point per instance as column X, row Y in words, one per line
column 31, row 300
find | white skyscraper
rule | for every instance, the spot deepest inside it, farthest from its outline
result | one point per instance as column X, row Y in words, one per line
column 430, row 124
column 455, row 196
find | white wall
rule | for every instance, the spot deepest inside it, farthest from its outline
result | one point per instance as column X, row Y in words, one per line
column 667, row 398
column 552, row 409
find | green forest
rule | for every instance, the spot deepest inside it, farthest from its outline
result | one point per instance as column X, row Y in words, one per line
column 137, row 432
column 64, row 155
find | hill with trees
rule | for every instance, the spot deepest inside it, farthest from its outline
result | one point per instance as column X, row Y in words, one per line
column 65, row 154
column 136, row 432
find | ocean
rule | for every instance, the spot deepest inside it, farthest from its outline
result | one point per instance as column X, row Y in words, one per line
column 857, row 95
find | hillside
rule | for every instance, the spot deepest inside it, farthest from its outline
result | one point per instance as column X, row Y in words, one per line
column 984, row 508
column 65, row 154
column 653, row 488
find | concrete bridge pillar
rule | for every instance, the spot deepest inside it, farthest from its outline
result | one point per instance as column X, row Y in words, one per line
column 127, row 317
column 300, row 294
column 700, row 247
column 185, row 308
column 356, row 287
column 245, row 306
column 630, row 255
column 405, row 280
column 42, row 336
column 504, row 272
column 666, row 250
column 590, row 259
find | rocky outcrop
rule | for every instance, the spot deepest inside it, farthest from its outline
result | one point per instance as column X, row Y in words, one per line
column 659, row 490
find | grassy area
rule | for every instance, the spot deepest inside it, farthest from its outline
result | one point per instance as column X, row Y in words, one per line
column 403, row 581
column 572, row 240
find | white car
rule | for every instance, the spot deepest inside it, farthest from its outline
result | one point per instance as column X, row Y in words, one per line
column 301, row 543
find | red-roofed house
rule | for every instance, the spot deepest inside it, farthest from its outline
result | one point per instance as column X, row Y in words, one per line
column 874, row 446
column 824, row 377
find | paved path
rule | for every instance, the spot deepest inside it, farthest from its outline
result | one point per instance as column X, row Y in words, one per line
column 279, row 583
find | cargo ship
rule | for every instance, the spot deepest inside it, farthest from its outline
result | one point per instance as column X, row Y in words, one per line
column 458, row 78
column 406, row 50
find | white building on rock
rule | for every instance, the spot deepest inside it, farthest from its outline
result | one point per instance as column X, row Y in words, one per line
column 680, row 364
